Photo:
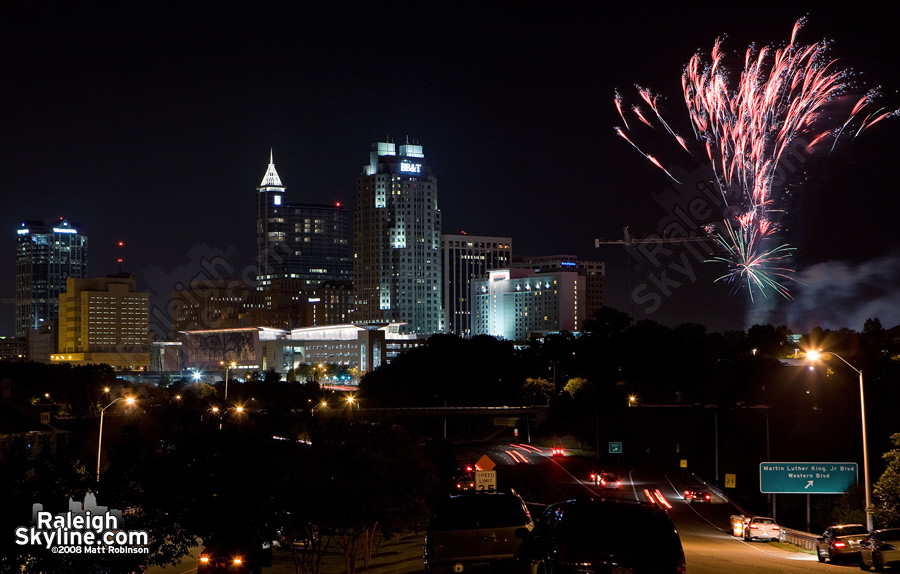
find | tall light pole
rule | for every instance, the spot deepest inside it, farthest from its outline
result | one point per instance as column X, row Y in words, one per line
column 232, row 365
column 130, row 401
column 870, row 521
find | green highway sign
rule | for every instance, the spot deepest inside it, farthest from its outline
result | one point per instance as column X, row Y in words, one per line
column 615, row 448
column 806, row 477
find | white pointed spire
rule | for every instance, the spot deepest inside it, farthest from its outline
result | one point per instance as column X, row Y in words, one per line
column 271, row 178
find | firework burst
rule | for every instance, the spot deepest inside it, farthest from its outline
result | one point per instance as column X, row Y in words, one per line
column 744, row 128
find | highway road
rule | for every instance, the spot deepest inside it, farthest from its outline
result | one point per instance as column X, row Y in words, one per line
column 708, row 548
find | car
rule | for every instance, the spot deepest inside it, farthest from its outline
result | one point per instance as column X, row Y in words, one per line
column 558, row 451
column 840, row 541
column 304, row 539
column 464, row 478
column 601, row 535
column 474, row 530
column 234, row 556
column 880, row 549
column 697, row 495
column 610, row 481
column 762, row 527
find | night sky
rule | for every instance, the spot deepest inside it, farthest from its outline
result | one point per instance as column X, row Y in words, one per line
column 153, row 126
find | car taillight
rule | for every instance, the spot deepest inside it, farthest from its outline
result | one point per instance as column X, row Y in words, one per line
column 686, row 493
column 776, row 527
column 839, row 544
column 707, row 497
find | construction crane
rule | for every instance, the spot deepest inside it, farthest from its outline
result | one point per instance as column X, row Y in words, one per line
column 629, row 242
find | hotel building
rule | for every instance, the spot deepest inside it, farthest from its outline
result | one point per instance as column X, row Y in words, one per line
column 516, row 304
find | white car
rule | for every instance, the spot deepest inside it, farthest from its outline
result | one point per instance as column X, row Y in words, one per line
column 762, row 527
column 881, row 548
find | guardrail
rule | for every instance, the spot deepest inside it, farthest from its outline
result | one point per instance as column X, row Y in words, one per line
column 804, row 540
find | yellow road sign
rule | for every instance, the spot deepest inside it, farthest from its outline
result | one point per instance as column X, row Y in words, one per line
column 484, row 463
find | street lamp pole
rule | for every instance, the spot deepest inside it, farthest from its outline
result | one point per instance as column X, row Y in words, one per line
column 870, row 521
column 128, row 400
column 232, row 365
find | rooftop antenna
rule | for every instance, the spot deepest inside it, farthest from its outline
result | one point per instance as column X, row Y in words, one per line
column 121, row 258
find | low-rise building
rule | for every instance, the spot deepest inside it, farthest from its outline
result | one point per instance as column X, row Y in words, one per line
column 357, row 348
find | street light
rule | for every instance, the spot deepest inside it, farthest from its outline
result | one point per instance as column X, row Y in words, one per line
column 351, row 401
column 128, row 400
column 631, row 400
column 227, row 366
column 815, row 356
column 239, row 409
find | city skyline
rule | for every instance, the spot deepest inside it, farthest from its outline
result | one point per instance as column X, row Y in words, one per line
column 153, row 129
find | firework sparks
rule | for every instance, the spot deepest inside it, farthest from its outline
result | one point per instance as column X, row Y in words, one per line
column 745, row 129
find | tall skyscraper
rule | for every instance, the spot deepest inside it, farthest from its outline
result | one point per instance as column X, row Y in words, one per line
column 305, row 241
column 397, row 241
column 48, row 253
column 466, row 258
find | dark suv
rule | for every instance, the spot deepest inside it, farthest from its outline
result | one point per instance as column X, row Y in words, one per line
column 597, row 535
column 472, row 529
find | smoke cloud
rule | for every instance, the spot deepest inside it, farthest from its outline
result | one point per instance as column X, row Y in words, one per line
column 836, row 294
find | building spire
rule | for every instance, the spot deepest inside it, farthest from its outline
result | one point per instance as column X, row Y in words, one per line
column 271, row 178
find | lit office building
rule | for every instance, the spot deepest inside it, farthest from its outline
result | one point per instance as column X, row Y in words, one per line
column 397, row 241
column 303, row 241
column 48, row 252
column 466, row 258
column 516, row 304
column 104, row 320
column 593, row 272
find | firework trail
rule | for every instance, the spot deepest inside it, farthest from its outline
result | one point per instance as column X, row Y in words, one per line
column 744, row 129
